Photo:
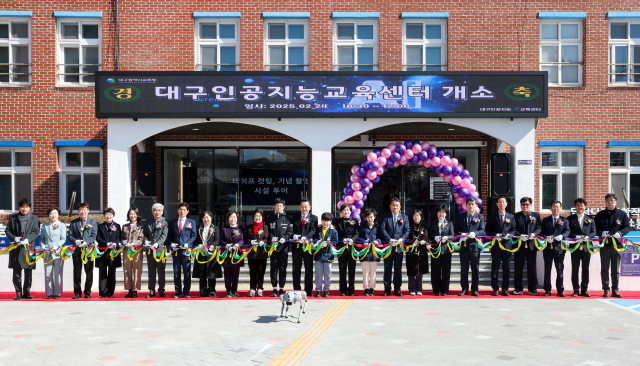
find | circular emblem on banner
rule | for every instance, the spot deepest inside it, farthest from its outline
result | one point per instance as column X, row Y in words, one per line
column 110, row 80
column 122, row 93
column 522, row 92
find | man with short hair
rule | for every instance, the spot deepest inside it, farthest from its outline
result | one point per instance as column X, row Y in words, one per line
column 182, row 234
column 156, row 232
column 502, row 226
column 612, row 223
column 554, row 227
column 582, row 226
column 83, row 232
column 396, row 225
column 22, row 229
column 528, row 226
column 469, row 224
column 304, row 228
column 280, row 230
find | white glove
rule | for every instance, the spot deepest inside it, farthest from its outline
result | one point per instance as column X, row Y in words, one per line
column 18, row 238
column 236, row 246
column 438, row 238
column 616, row 235
column 25, row 241
column 506, row 236
column 274, row 239
column 558, row 238
column 174, row 245
column 281, row 240
column 303, row 238
column 472, row 235
column 324, row 244
column 376, row 242
column 155, row 245
column 228, row 246
column 56, row 248
column 428, row 246
column 129, row 245
column 350, row 241
column 464, row 235
column 579, row 237
column 605, row 233
column 395, row 243
column 401, row 240
column 345, row 241
column 147, row 242
column 254, row 242
column 498, row 235
column 78, row 242
column 186, row 246
column 422, row 242
column 445, row 238
column 524, row 237
column 261, row 242
column 204, row 249
column 296, row 237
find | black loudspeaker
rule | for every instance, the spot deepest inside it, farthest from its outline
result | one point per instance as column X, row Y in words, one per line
column 501, row 175
column 143, row 204
column 146, row 174
column 511, row 208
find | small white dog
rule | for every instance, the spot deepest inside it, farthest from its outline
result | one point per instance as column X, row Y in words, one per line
column 291, row 297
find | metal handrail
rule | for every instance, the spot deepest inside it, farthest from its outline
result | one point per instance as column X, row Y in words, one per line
column 15, row 73
column 3, row 63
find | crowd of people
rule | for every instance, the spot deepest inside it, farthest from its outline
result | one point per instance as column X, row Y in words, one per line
column 429, row 239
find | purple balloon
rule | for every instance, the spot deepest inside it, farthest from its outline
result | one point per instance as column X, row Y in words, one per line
column 455, row 188
column 447, row 155
column 408, row 144
column 416, row 142
column 463, row 192
column 432, row 152
column 474, row 195
column 353, row 208
column 423, row 155
column 450, row 184
column 359, row 204
column 377, row 152
column 374, row 165
column 471, row 179
column 355, row 216
column 343, row 196
column 401, row 149
column 395, row 156
column 479, row 210
column 364, row 198
column 389, row 163
column 365, row 164
column 438, row 170
column 365, row 190
column 440, row 153
column 456, row 170
column 362, row 172
column 415, row 159
column 447, row 170
column 349, row 184
column 464, row 174
column 385, row 169
column 377, row 180
column 365, row 182
column 478, row 201
column 348, row 191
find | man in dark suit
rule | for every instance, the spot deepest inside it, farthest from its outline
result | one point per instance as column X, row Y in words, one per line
column 469, row 224
column 304, row 227
column 614, row 223
column 554, row 227
column 528, row 225
column 182, row 234
column 502, row 225
column 280, row 230
column 156, row 231
column 396, row 225
column 83, row 232
column 582, row 226
column 22, row 228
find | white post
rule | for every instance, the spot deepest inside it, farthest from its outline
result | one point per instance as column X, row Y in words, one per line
column 119, row 177
column 522, row 159
column 321, row 180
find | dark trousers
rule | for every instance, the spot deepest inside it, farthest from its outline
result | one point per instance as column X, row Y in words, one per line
column 279, row 268
column 107, row 280
column 299, row 257
column 154, row 267
column 77, row 276
column 552, row 257
column 181, row 263
column 346, row 263
column 441, row 273
column 609, row 257
column 17, row 281
column 415, row 283
column 231, row 275
column 468, row 257
column 500, row 256
column 577, row 257
column 257, row 267
column 519, row 257
column 393, row 263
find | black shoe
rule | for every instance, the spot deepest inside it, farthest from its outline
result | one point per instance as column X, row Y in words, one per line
column 475, row 293
column 386, row 293
column 505, row 292
column 575, row 294
column 135, row 294
column 176, row 296
column 547, row 293
column 87, row 296
column 606, row 293
column 436, row 294
column 397, row 293
column 495, row 293
column 326, row 294
column 534, row 293
column 274, row 293
column 317, row 294
column 616, row 294
column 29, row 297
column 343, row 294
column 162, row 294
column 281, row 292
column 18, row 297
column 129, row 294
column 102, row 297
column 76, row 296
column 56, row 297
column 49, row 297
column 212, row 294
column 109, row 296
column 229, row 295
column 444, row 294
column 186, row 296
column 585, row 294
column 560, row 294
column 517, row 292
column 235, row 294
column 309, row 293
column 352, row 293
column 151, row 294
column 463, row 292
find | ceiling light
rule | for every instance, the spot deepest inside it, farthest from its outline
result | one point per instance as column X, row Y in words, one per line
column 451, row 129
column 196, row 129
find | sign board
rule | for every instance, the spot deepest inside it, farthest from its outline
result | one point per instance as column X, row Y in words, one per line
column 260, row 187
column 525, row 162
column 630, row 264
column 439, row 189
column 240, row 94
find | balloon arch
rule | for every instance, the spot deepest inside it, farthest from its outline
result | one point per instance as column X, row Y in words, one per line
column 408, row 153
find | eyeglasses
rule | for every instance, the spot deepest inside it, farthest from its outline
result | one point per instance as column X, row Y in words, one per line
column 525, row 204
column 611, row 201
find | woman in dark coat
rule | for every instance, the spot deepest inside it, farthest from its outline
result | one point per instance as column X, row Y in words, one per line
column 370, row 231
column 418, row 261
column 209, row 237
column 108, row 232
column 23, row 227
column 254, row 234
column 232, row 235
column 440, row 229
column 348, row 229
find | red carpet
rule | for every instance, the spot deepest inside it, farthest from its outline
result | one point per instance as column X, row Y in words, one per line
column 335, row 294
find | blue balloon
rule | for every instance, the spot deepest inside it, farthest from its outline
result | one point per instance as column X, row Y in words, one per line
column 377, row 152
column 365, row 164
column 377, row 180
column 395, row 156
column 423, row 155
column 455, row 188
column 365, row 190
column 374, row 165
column 401, row 149
column 463, row 192
column 438, row 169
column 447, row 170
column 456, row 170
column 440, row 153
column 415, row 159
column 389, row 163
column 365, row 182
column 432, row 152
column 362, row 172
column 408, row 144
column 348, row 191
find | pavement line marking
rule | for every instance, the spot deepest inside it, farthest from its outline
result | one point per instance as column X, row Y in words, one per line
column 299, row 348
column 610, row 302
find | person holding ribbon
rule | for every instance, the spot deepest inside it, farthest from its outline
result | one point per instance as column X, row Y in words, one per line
column 470, row 225
column 502, row 226
column 280, row 230
column 304, row 228
column 132, row 237
column 232, row 237
column 22, row 229
column 583, row 227
column 556, row 229
column 182, row 235
column 396, row 226
column 52, row 238
column 257, row 234
column 440, row 231
column 156, row 231
column 418, row 259
column 348, row 230
column 206, row 268
column 528, row 226
column 109, row 235
column 328, row 236
column 372, row 234
column 83, row 232
column 611, row 224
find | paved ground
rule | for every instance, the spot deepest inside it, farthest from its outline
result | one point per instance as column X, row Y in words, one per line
column 522, row 331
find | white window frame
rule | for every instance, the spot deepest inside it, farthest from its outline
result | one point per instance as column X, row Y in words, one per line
column 81, row 170
column 559, row 42
column 217, row 43
column 356, row 42
column 13, row 170
column 558, row 171
column 627, row 169
column 442, row 42
column 10, row 42
column 629, row 43
column 286, row 42
column 77, row 43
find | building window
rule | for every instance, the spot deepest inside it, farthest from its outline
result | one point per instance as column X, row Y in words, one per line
column 425, row 45
column 561, row 176
column 286, row 45
column 81, row 173
column 624, row 52
column 561, row 51
column 15, row 51
column 15, row 178
column 355, row 45
column 218, row 45
column 79, row 52
column 624, row 169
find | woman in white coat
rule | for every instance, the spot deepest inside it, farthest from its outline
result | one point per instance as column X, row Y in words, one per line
column 52, row 237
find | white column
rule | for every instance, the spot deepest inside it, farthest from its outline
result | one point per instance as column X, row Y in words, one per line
column 321, row 180
column 522, row 159
column 119, row 177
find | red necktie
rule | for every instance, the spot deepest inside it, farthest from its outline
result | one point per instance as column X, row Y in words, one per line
column 180, row 226
column 304, row 219
column 502, row 221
